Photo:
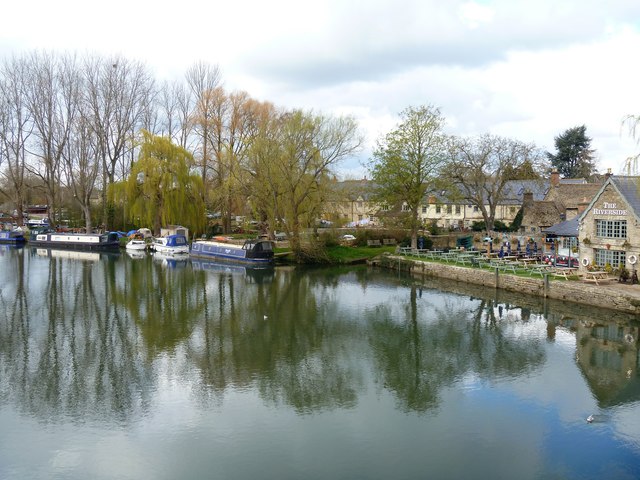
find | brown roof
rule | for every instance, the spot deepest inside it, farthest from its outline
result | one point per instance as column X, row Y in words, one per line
column 569, row 196
column 541, row 214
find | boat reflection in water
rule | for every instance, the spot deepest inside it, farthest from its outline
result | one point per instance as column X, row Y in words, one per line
column 137, row 254
column 258, row 273
column 171, row 260
column 68, row 254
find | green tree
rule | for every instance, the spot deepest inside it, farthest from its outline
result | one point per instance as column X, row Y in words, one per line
column 407, row 160
column 574, row 157
column 162, row 188
column 292, row 164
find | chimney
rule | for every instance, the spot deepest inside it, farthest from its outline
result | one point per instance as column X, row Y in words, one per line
column 582, row 206
column 607, row 175
column 555, row 178
column 432, row 199
column 527, row 200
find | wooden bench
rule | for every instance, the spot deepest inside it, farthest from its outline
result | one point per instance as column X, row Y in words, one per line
column 388, row 241
column 596, row 277
column 374, row 243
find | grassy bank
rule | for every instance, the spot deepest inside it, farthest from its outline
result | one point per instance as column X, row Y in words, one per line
column 340, row 254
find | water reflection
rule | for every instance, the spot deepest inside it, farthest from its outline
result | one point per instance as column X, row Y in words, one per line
column 103, row 339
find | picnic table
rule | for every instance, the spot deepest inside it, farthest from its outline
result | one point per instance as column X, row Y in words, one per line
column 540, row 269
column 528, row 261
column 450, row 255
column 565, row 272
column 596, row 276
column 465, row 258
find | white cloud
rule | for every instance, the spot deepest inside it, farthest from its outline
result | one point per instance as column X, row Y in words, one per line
column 527, row 70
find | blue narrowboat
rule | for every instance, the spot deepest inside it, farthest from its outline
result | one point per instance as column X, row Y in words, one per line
column 255, row 251
column 13, row 237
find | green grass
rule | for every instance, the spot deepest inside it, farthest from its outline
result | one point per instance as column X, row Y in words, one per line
column 344, row 254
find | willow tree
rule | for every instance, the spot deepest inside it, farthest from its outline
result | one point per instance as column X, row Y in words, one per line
column 162, row 188
column 294, row 164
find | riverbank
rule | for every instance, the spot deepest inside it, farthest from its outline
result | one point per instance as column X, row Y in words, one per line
column 613, row 295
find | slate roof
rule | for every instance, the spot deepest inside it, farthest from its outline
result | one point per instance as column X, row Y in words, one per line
column 568, row 228
column 512, row 193
column 629, row 188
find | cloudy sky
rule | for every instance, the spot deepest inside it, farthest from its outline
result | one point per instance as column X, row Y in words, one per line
column 527, row 70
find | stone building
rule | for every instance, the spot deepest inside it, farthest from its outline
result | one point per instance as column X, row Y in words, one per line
column 565, row 199
column 458, row 214
column 609, row 228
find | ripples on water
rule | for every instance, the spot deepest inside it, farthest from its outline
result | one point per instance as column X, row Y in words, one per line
column 113, row 367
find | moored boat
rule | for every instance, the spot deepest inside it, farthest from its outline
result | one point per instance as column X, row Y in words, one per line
column 76, row 241
column 170, row 245
column 15, row 237
column 136, row 244
column 254, row 251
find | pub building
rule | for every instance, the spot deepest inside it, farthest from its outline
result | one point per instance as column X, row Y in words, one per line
column 609, row 227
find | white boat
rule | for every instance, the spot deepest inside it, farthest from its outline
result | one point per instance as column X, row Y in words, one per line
column 136, row 244
column 170, row 245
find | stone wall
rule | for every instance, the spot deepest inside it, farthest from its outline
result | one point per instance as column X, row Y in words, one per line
column 577, row 292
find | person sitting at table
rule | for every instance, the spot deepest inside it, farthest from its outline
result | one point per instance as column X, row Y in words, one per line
column 528, row 250
column 501, row 252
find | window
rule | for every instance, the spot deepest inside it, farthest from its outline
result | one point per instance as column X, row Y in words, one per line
column 405, row 207
column 385, row 208
column 568, row 242
column 615, row 258
column 512, row 210
column 475, row 208
column 449, row 209
column 611, row 228
column 424, row 209
column 438, row 208
column 457, row 209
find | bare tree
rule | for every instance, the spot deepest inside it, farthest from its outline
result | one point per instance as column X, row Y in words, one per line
column 117, row 92
column 202, row 80
column 479, row 169
column 52, row 96
column 174, row 105
column 81, row 164
column 15, row 129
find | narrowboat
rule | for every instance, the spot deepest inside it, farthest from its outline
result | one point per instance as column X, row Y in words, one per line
column 254, row 251
column 76, row 241
column 170, row 245
column 13, row 237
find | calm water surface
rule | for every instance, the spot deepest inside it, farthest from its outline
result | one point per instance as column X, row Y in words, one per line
column 114, row 367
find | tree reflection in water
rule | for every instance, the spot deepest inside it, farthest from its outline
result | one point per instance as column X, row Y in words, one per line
column 91, row 339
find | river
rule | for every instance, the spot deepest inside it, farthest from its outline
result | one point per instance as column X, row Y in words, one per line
column 154, row 368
